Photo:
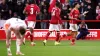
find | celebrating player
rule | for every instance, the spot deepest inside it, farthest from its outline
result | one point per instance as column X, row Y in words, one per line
column 73, row 16
column 31, row 10
column 18, row 27
column 54, row 23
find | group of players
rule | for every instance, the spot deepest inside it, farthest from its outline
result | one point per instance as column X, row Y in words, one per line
column 19, row 27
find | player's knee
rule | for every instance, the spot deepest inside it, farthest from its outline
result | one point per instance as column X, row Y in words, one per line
column 31, row 29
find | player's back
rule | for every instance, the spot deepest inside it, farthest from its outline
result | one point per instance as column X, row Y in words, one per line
column 55, row 15
column 75, row 14
column 32, row 10
column 15, row 22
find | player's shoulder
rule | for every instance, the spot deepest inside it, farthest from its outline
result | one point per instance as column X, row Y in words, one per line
column 27, row 6
column 57, row 9
column 10, row 20
column 36, row 6
column 73, row 10
column 54, row 8
column 13, row 18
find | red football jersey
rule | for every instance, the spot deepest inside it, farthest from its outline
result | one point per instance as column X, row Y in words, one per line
column 62, row 1
column 55, row 16
column 32, row 11
column 74, row 14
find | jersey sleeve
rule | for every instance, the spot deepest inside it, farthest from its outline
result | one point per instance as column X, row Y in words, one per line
column 37, row 8
column 26, row 8
column 71, row 13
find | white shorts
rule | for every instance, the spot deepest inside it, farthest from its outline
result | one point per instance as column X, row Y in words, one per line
column 31, row 24
column 73, row 27
column 55, row 27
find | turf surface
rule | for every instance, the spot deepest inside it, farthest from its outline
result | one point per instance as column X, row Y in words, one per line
column 82, row 48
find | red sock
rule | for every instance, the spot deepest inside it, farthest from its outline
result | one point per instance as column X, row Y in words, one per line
column 47, row 36
column 31, row 38
column 73, row 40
column 58, row 35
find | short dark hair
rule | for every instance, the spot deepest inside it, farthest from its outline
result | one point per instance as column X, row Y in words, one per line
column 32, row 2
column 22, row 30
column 58, row 4
column 75, row 4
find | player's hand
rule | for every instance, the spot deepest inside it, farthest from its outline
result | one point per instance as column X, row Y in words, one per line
column 85, row 12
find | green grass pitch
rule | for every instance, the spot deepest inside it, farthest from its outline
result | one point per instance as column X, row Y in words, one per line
column 82, row 48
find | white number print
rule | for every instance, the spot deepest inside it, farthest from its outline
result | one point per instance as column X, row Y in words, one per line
column 53, row 12
column 32, row 10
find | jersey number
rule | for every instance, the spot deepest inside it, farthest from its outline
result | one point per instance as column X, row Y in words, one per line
column 32, row 11
column 53, row 12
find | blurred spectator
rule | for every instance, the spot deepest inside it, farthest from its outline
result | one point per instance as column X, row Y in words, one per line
column 99, row 4
column 71, row 2
column 10, row 14
column 81, row 0
column 11, row 5
column 87, row 2
column 76, row 1
column 1, row 1
column 98, row 13
column 0, row 4
column 4, row 10
column 37, row 2
column 82, row 10
column 19, row 9
column 83, row 31
column 89, row 15
column 64, row 14
column 48, row 1
column 44, row 14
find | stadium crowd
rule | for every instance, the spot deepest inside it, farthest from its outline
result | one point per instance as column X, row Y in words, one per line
column 9, row 8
